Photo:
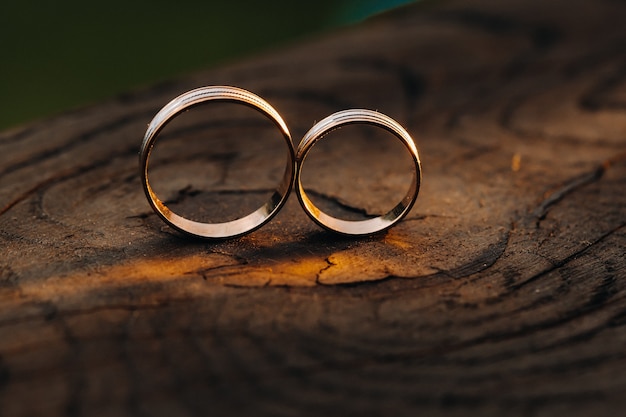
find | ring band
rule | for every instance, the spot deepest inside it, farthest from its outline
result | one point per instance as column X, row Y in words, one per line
column 362, row 227
column 239, row 226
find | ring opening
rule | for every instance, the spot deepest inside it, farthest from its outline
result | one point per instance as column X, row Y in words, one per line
column 217, row 162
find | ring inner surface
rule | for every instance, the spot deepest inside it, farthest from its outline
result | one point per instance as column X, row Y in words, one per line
column 357, row 179
column 219, row 169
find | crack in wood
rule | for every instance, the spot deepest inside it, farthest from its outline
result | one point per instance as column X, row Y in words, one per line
column 329, row 264
column 562, row 262
column 573, row 185
column 484, row 260
column 569, row 187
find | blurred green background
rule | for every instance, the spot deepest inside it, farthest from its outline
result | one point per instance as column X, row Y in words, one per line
column 61, row 55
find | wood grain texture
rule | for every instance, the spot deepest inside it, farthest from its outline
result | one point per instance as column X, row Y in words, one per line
column 503, row 292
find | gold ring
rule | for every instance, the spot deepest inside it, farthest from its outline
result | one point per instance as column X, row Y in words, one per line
column 361, row 227
column 239, row 226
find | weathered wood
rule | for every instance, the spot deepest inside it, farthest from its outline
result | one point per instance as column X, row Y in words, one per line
column 503, row 292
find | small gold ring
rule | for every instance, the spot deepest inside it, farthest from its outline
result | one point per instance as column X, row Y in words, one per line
column 362, row 227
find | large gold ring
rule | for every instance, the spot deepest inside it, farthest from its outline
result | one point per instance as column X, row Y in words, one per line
column 239, row 226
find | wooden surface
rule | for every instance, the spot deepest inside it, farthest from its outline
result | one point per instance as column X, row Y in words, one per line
column 502, row 293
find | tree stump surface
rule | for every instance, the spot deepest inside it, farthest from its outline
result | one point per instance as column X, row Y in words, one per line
column 502, row 293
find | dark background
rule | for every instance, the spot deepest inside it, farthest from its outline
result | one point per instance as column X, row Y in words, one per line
column 60, row 55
